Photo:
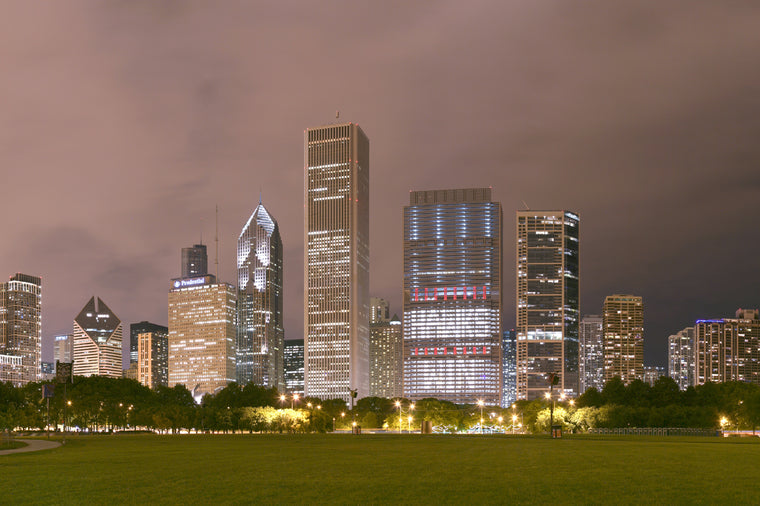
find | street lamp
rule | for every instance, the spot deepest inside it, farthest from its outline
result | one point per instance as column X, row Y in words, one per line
column 514, row 421
column 481, row 404
column 398, row 405
column 293, row 400
column 409, row 427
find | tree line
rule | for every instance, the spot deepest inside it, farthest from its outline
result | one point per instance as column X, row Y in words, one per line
column 98, row 403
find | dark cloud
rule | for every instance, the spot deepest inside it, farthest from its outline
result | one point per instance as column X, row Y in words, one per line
column 125, row 123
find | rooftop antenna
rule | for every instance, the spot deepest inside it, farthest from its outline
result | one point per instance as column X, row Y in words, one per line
column 201, row 243
column 216, row 239
column 526, row 205
column 259, row 195
column 337, row 114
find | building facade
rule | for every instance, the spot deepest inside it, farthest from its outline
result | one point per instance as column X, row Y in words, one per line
column 201, row 334
column 728, row 349
column 135, row 329
column 153, row 358
column 509, row 367
column 379, row 311
column 336, row 261
column 652, row 373
column 386, row 351
column 97, row 341
column 260, row 331
column 20, row 329
column 623, row 337
column 452, row 292
column 548, row 302
column 63, row 348
column 591, row 353
column 681, row 365
column 194, row 261
column 294, row 366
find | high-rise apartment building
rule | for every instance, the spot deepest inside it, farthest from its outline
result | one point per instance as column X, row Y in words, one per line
column 386, row 352
column 294, row 366
column 509, row 367
column 135, row 329
column 336, row 261
column 681, row 366
column 260, row 332
column 20, row 329
column 452, row 291
column 194, row 261
column 548, row 302
column 153, row 358
column 201, row 334
column 728, row 349
column 623, row 337
column 591, row 353
column 97, row 341
column 63, row 346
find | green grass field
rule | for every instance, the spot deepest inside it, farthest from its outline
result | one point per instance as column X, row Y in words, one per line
column 383, row 469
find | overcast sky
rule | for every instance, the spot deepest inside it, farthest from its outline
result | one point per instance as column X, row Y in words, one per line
column 123, row 123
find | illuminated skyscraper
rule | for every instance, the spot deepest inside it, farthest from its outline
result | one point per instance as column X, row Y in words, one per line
column 194, row 261
column 63, row 348
column 201, row 334
column 153, row 358
column 547, row 302
column 452, row 296
column 378, row 310
column 728, row 349
column 509, row 367
column 336, row 261
column 681, row 365
column 260, row 333
column 20, row 329
column 591, row 349
column 386, row 353
column 135, row 329
column 623, row 338
column 97, row 341
column 294, row 366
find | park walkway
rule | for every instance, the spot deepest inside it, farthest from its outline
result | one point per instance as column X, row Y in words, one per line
column 32, row 445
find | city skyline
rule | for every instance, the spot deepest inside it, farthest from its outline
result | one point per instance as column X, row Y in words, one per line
column 180, row 119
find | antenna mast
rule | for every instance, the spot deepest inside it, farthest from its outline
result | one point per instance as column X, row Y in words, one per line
column 216, row 239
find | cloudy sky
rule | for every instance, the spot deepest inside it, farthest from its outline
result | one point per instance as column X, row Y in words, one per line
column 123, row 123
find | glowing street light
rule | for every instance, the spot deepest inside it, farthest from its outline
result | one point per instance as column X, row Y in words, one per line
column 398, row 405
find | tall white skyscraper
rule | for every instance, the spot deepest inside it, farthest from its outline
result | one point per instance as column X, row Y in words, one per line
column 260, row 332
column 336, row 261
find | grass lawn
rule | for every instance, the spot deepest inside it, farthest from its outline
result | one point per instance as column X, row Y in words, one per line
column 382, row 469
column 10, row 445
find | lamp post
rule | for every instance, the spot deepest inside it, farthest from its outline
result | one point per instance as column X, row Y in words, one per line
column 293, row 400
column 398, row 405
column 481, row 404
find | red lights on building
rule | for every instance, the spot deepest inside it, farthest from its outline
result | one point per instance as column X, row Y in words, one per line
column 462, row 292
column 454, row 350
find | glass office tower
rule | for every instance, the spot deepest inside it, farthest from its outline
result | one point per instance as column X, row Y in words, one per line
column 336, row 263
column 623, row 337
column 260, row 332
column 452, row 296
column 97, row 341
column 547, row 302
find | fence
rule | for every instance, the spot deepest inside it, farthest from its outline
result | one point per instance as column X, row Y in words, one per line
column 655, row 431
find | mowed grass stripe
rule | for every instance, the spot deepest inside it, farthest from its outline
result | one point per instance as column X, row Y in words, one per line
column 299, row 469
